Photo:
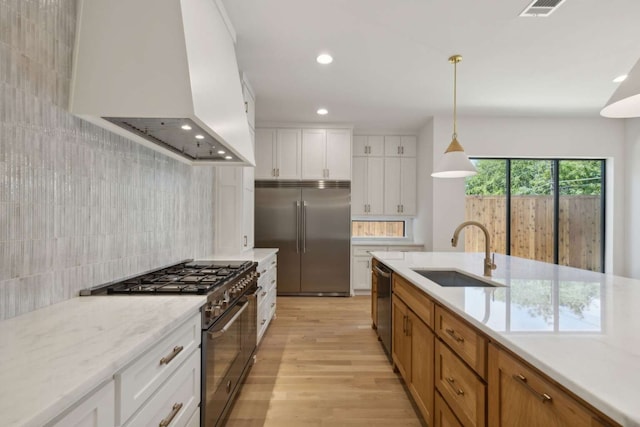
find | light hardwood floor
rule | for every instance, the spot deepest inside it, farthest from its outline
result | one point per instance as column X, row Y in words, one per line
column 320, row 364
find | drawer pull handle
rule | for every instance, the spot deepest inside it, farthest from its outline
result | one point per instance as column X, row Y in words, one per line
column 453, row 335
column 263, row 293
column 273, row 304
column 459, row 391
column 263, row 271
column 273, row 262
column 176, row 350
column 263, row 321
column 174, row 411
column 544, row 397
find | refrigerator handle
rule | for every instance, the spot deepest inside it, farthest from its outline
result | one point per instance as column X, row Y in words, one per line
column 304, row 227
column 297, row 226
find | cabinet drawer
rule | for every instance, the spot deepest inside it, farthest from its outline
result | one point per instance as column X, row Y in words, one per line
column 443, row 415
column 176, row 400
column 364, row 250
column 97, row 410
column 519, row 394
column 466, row 342
column 414, row 298
column 136, row 383
column 266, row 264
column 460, row 387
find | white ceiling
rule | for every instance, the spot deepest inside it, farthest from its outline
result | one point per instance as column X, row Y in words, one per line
column 390, row 68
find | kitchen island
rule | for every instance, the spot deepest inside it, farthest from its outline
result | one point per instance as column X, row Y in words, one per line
column 579, row 328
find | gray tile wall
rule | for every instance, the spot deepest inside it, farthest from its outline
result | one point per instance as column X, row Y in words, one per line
column 79, row 206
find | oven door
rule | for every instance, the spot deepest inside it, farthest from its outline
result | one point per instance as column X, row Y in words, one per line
column 223, row 362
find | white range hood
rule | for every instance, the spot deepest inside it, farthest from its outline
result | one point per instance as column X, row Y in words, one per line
column 147, row 68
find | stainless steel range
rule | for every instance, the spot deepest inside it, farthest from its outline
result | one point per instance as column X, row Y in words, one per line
column 229, row 320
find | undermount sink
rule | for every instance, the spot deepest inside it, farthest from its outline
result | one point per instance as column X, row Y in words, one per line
column 452, row 278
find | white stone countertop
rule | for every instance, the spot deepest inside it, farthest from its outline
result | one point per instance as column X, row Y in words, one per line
column 53, row 357
column 255, row 254
column 581, row 328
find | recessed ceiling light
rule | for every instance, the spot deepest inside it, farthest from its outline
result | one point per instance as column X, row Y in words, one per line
column 324, row 59
column 186, row 127
column 620, row 78
column 228, row 157
column 322, row 111
column 199, row 137
column 221, row 152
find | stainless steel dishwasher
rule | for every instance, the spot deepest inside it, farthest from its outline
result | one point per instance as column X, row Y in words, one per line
column 383, row 319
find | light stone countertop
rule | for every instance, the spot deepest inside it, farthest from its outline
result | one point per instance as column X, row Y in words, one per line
column 361, row 242
column 256, row 255
column 579, row 327
column 53, row 357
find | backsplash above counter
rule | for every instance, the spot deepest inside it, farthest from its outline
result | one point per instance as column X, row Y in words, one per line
column 79, row 206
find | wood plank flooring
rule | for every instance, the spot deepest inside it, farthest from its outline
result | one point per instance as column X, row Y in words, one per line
column 320, row 364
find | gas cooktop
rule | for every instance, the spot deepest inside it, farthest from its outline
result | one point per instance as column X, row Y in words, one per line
column 195, row 277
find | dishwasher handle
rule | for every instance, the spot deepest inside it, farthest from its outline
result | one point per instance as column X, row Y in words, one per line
column 382, row 273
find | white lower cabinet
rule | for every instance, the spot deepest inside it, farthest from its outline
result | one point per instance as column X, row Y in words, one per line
column 97, row 410
column 164, row 382
column 361, row 264
column 176, row 401
column 268, row 281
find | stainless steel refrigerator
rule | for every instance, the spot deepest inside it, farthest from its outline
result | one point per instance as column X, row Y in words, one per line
column 310, row 223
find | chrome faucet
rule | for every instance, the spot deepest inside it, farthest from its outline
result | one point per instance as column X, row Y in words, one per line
column 488, row 261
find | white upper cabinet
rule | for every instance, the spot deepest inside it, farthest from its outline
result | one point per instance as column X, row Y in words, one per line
column 400, row 146
column 367, row 186
column 400, row 186
column 368, row 145
column 249, row 102
column 326, row 154
column 278, row 154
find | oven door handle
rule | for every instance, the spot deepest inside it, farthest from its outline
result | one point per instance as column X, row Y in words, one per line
column 254, row 294
column 220, row 332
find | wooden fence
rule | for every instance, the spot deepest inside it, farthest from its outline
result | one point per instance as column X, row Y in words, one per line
column 532, row 228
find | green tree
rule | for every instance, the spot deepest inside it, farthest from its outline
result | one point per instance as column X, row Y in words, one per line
column 576, row 177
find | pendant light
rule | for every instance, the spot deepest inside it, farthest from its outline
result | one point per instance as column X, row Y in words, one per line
column 454, row 163
column 625, row 101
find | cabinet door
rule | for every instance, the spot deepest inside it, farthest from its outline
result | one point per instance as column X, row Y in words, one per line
column 392, row 173
column 376, row 145
column 361, row 273
column 408, row 146
column 314, row 149
column 98, row 410
column 518, row 395
column 401, row 348
column 375, row 185
column 408, row 183
column 338, row 154
column 359, row 184
column 443, row 416
column 249, row 104
column 422, row 367
column 360, row 147
column 265, row 153
column 392, row 146
column 288, row 153
column 247, row 218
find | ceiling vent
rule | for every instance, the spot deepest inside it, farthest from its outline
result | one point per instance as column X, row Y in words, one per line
column 541, row 8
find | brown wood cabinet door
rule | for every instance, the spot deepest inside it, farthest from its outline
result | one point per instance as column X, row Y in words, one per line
column 519, row 396
column 401, row 339
column 422, row 368
column 443, row 416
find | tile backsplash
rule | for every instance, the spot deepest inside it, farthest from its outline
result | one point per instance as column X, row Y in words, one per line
column 79, row 206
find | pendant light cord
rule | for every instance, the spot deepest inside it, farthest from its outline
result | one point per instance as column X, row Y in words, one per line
column 455, row 106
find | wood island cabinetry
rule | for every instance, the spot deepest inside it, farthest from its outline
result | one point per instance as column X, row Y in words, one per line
column 458, row 377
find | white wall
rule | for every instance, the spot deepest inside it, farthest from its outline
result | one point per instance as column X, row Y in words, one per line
column 526, row 137
column 632, row 212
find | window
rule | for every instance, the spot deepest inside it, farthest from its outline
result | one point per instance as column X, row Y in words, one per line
column 378, row 229
column 549, row 210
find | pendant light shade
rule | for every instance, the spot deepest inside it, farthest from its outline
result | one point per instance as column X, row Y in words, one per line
column 625, row 102
column 454, row 163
